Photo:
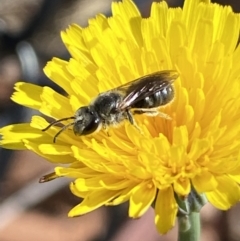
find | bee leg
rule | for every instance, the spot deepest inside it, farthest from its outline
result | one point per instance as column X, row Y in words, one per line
column 151, row 113
column 132, row 121
column 130, row 117
column 105, row 128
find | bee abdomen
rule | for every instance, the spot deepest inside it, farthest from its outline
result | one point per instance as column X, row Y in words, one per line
column 157, row 99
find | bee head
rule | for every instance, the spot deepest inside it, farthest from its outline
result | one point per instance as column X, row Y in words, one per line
column 86, row 121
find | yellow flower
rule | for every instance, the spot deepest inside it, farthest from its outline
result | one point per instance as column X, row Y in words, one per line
column 198, row 148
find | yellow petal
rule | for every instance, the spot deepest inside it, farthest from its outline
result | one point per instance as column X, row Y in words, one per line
column 91, row 202
column 182, row 187
column 13, row 135
column 140, row 203
column 27, row 94
column 165, row 210
column 226, row 194
column 205, row 182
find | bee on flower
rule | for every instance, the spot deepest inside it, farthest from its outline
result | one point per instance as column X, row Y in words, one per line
column 193, row 153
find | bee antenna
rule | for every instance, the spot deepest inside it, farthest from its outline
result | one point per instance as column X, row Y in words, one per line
column 62, row 129
column 57, row 121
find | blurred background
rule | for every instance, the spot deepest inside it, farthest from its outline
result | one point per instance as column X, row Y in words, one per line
column 29, row 37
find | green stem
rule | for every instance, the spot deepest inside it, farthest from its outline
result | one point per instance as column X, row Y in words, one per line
column 192, row 232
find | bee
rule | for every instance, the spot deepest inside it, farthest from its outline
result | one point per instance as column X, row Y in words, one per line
column 140, row 96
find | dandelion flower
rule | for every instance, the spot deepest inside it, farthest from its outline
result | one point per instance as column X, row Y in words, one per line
column 199, row 148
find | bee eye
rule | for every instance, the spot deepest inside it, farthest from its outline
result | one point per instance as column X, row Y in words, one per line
column 87, row 121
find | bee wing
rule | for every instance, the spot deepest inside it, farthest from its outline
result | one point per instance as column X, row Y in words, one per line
column 145, row 86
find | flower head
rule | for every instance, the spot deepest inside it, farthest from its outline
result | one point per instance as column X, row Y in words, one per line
column 199, row 147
